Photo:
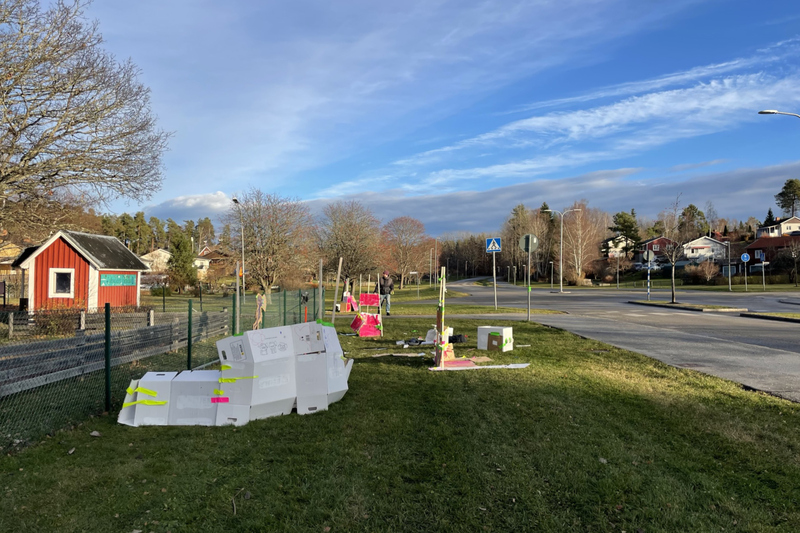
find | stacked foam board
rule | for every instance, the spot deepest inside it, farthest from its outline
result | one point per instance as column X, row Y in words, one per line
column 495, row 338
column 264, row 373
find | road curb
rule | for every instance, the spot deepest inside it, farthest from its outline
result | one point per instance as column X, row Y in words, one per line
column 767, row 317
column 698, row 310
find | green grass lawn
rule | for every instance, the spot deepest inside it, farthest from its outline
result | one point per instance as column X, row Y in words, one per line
column 587, row 438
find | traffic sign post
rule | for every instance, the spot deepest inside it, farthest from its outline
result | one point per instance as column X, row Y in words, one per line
column 493, row 246
column 648, row 255
column 529, row 243
column 745, row 259
column 763, row 275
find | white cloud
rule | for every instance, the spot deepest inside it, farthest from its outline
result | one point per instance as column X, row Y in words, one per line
column 634, row 125
column 736, row 194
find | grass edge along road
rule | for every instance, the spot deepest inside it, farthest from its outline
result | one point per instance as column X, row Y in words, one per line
column 587, row 438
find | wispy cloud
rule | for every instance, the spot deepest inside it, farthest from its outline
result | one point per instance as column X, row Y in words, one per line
column 633, row 125
column 693, row 166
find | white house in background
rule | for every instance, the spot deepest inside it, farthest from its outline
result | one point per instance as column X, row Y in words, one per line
column 201, row 264
column 156, row 260
column 783, row 227
column 704, row 248
column 615, row 246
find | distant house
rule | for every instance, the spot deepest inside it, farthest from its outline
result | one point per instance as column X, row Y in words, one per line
column 81, row 271
column 615, row 246
column 201, row 264
column 704, row 248
column 8, row 253
column 770, row 247
column 783, row 227
column 657, row 245
column 156, row 260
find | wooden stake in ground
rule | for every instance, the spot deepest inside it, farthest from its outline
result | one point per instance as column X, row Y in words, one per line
column 336, row 293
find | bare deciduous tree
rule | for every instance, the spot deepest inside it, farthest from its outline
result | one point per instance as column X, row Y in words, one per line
column 350, row 231
column 73, row 118
column 583, row 231
column 277, row 236
column 677, row 233
column 407, row 244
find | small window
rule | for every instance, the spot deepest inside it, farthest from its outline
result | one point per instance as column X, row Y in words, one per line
column 62, row 283
column 656, row 247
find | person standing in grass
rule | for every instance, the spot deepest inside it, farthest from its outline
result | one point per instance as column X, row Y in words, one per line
column 385, row 287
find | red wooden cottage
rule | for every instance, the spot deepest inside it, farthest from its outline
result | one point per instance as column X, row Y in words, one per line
column 81, row 271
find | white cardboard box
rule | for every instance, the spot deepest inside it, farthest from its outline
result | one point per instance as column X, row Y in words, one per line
column 507, row 343
column 338, row 367
column 307, row 337
column 231, row 414
column 258, row 370
column 193, row 401
column 312, row 383
column 153, row 387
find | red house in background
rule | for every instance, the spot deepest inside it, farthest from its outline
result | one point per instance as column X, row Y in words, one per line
column 81, row 271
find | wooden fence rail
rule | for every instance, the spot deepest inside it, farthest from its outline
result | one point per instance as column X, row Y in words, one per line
column 27, row 366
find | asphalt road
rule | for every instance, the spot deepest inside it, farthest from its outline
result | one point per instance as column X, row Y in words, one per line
column 761, row 354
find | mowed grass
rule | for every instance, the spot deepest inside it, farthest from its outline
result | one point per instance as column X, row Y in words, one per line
column 587, row 438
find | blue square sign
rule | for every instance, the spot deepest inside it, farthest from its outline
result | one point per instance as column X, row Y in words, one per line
column 493, row 245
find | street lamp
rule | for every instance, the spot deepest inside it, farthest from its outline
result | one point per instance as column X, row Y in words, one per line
column 241, row 223
column 773, row 112
column 561, row 245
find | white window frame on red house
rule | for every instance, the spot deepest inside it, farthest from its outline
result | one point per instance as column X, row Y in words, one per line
column 656, row 247
column 51, row 283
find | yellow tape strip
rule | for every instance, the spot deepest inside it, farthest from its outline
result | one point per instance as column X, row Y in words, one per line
column 143, row 402
column 226, row 367
column 130, row 391
column 219, row 392
column 233, row 380
column 147, row 391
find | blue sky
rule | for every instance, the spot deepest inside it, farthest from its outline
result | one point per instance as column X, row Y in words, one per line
column 453, row 112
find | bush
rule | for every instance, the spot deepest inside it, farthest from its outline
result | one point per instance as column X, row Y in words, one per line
column 160, row 291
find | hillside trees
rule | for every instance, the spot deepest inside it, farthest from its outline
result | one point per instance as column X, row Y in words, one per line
column 625, row 225
column 180, row 266
column 789, row 197
column 277, row 236
column 406, row 244
column 75, row 121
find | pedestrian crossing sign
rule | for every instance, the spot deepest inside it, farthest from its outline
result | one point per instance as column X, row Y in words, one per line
column 493, row 245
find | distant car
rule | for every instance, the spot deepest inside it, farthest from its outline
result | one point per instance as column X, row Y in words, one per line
column 638, row 266
column 794, row 233
column 655, row 267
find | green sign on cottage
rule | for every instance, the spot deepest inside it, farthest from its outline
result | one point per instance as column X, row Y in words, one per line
column 117, row 280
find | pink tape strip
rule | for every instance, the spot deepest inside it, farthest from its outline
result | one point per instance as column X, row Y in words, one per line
column 220, row 399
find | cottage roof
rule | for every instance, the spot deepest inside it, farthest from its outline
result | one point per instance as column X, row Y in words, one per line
column 103, row 251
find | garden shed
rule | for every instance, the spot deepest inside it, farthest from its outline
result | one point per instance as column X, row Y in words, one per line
column 74, row 270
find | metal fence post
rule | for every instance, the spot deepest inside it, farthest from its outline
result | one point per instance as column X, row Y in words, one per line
column 189, row 340
column 233, row 314
column 163, row 297
column 108, row 357
column 315, row 304
column 201, row 296
column 284, row 307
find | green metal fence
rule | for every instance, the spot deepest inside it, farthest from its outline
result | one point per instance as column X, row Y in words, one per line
column 57, row 368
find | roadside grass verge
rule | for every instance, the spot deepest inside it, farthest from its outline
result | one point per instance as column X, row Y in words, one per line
column 679, row 305
column 456, row 309
column 587, row 438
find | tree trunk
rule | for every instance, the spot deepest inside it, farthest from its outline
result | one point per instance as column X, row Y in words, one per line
column 673, row 283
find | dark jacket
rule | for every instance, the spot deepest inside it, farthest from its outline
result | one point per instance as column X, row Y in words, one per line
column 385, row 285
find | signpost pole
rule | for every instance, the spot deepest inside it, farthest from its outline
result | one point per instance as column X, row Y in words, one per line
column 745, row 259
column 648, row 278
column 617, row 270
column 494, row 278
column 763, row 275
column 529, row 277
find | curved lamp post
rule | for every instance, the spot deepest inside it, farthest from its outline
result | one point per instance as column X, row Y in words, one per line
column 561, row 246
column 774, row 112
column 241, row 223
